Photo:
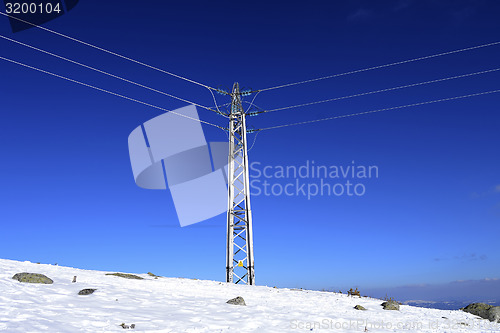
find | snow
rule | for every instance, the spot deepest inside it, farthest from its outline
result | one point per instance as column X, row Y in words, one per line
column 185, row 305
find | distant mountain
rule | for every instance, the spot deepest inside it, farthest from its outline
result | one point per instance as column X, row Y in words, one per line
column 446, row 305
column 447, row 296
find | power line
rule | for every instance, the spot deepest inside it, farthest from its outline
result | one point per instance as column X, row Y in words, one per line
column 109, row 52
column 383, row 66
column 254, row 139
column 215, row 103
column 107, row 91
column 106, row 73
column 251, row 103
column 380, row 110
column 385, row 90
column 253, row 100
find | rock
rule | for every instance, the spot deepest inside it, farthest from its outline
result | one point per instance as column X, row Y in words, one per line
column 74, row 279
column 494, row 314
column 237, row 301
column 390, row 305
column 485, row 311
column 478, row 309
column 126, row 276
column 153, row 275
column 86, row 291
column 32, row 278
column 125, row 326
column 360, row 307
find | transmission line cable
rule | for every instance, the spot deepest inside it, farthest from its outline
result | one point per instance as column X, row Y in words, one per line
column 254, row 139
column 383, row 66
column 385, row 90
column 107, row 91
column 109, row 52
column 108, row 74
column 253, row 100
column 215, row 103
column 380, row 110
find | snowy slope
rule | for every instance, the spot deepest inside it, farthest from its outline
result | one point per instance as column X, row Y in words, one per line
column 184, row 305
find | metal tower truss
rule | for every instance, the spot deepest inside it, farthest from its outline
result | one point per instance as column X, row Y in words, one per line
column 239, row 258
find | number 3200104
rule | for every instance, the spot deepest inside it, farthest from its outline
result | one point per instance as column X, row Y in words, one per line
column 32, row 8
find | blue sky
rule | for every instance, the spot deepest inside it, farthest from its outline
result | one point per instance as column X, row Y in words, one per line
column 430, row 217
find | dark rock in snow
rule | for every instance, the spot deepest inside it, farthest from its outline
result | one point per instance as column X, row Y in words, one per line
column 126, row 276
column 32, row 278
column 237, row 301
column 390, row 305
column 494, row 314
column 359, row 307
column 86, row 291
column 478, row 309
column 485, row 311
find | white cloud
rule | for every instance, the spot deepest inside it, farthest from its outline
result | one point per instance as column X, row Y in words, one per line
column 402, row 4
column 493, row 190
column 359, row 15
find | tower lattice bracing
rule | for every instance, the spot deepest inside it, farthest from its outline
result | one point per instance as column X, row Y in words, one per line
column 239, row 258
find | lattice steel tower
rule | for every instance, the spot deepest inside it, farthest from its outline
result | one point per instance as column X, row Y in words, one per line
column 239, row 258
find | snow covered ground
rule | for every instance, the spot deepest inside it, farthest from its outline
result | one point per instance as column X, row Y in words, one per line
column 184, row 305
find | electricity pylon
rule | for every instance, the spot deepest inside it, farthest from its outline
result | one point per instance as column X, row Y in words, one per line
column 239, row 258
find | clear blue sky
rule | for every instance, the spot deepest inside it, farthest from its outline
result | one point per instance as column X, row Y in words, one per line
column 432, row 215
